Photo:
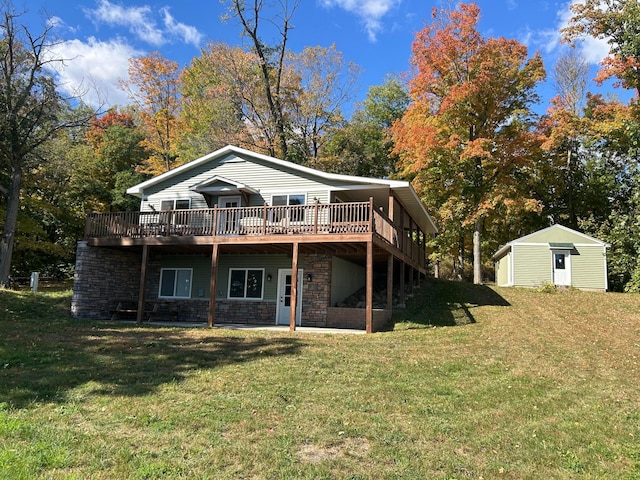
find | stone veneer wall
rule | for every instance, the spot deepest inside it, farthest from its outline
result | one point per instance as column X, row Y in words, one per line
column 103, row 276
column 316, row 295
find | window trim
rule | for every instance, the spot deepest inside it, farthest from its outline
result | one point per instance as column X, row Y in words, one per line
column 293, row 221
column 289, row 195
column 245, row 298
column 175, row 269
column 174, row 201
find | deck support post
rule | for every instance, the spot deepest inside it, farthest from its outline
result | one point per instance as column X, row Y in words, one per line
column 369, row 288
column 402, row 275
column 143, row 284
column 294, row 289
column 390, row 281
column 411, row 279
column 212, row 284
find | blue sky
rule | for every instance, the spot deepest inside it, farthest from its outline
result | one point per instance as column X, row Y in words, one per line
column 99, row 36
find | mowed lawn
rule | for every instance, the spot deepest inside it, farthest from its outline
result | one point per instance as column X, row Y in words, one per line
column 473, row 382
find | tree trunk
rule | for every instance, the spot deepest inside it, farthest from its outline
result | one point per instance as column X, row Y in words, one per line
column 477, row 259
column 10, row 221
column 460, row 266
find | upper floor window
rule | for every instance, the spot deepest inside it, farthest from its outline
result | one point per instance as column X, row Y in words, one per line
column 294, row 215
column 176, row 204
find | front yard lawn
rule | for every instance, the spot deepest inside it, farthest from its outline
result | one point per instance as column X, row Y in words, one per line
column 473, row 382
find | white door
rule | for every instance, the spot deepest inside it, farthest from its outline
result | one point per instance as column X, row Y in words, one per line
column 561, row 268
column 283, row 310
column 228, row 221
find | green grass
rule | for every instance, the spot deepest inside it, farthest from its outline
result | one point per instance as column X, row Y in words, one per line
column 473, row 382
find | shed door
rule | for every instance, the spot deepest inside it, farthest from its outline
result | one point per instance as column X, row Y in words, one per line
column 561, row 267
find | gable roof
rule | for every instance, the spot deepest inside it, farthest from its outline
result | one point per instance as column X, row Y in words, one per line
column 218, row 184
column 558, row 243
column 403, row 190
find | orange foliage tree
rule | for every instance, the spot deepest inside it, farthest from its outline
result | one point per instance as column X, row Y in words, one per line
column 154, row 87
column 617, row 22
column 466, row 134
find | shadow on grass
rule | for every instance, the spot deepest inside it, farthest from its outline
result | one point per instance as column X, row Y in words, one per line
column 443, row 303
column 44, row 354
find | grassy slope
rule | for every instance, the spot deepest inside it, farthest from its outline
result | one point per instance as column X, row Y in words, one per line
column 511, row 384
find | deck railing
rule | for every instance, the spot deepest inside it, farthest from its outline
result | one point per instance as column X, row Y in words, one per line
column 317, row 218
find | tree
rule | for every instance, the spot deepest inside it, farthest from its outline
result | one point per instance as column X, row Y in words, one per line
column 563, row 131
column 270, row 58
column 325, row 85
column 617, row 22
column 469, row 121
column 154, row 87
column 116, row 151
column 364, row 145
column 220, row 100
column 32, row 114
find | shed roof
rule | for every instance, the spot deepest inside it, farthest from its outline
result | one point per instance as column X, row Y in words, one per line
column 556, row 236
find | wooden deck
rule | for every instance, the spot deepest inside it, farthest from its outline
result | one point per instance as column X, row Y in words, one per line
column 316, row 223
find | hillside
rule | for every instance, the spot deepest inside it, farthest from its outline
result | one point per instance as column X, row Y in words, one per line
column 473, row 382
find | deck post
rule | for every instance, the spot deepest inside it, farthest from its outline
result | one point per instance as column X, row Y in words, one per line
column 315, row 217
column 294, row 288
column 212, row 285
column 411, row 279
column 369, row 288
column 215, row 220
column 402, row 275
column 390, row 281
column 371, row 219
column 143, row 283
column 264, row 218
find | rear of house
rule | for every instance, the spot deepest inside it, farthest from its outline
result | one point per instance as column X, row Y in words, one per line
column 240, row 237
column 556, row 255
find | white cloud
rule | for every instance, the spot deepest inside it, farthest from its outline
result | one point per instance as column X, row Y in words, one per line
column 369, row 11
column 137, row 19
column 140, row 22
column 187, row 33
column 593, row 50
column 92, row 70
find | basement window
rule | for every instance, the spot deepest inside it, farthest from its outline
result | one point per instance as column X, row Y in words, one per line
column 246, row 283
column 175, row 283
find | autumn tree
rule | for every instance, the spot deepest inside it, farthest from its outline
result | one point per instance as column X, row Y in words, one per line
column 271, row 58
column 221, row 103
column 564, row 131
column 224, row 101
column 468, row 125
column 116, row 151
column 32, row 113
column 326, row 84
column 154, row 87
column 617, row 22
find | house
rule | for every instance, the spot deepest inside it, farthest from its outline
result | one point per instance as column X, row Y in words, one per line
column 240, row 237
column 556, row 255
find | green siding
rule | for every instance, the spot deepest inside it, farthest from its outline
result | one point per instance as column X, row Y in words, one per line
column 346, row 278
column 502, row 270
column 532, row 265
column 558, row 235
column 268, row 179
column 588, row 268
column 201, row 266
